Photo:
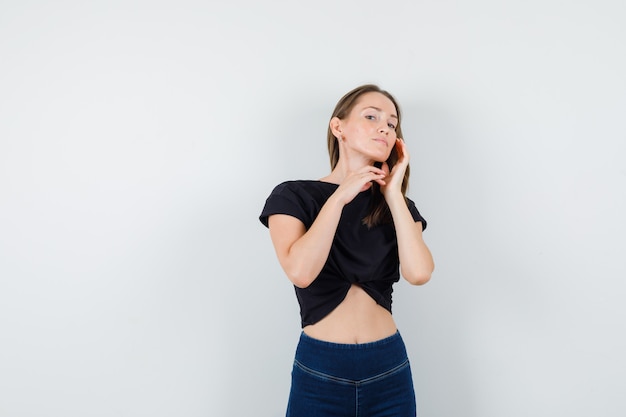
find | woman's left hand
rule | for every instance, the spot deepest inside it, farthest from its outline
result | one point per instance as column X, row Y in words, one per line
column 393, row 179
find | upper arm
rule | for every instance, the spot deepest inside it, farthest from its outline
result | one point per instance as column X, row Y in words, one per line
column 285, row 230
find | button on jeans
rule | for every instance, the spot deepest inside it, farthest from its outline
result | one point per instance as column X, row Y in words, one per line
column 351, row 380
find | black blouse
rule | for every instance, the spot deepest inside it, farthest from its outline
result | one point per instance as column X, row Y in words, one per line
column 359, row 255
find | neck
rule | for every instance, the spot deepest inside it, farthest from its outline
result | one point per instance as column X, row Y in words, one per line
column 345, row 166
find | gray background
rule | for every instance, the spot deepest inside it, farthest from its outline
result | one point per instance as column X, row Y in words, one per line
column 139, row 140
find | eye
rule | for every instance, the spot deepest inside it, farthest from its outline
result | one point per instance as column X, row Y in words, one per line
column 370, row 117
column 391, row 126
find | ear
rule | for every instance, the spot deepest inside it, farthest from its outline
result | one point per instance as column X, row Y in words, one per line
column 336, row 127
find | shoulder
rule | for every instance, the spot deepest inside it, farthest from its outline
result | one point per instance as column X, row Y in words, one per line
column 299, row 198
column 303, row 190
column 303, row 187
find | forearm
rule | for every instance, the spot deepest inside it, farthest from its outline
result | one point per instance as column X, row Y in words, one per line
column 416, row 261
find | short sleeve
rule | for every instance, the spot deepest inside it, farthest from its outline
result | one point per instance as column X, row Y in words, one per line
column 285, row 200
column 416, row 214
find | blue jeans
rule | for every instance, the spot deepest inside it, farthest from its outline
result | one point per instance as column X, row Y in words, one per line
column 351, row 380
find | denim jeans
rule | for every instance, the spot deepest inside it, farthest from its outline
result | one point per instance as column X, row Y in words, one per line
column 351, row 380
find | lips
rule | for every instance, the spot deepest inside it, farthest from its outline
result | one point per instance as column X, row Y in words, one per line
column 381, row 140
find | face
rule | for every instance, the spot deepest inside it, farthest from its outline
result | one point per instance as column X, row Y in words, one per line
column 370, row 128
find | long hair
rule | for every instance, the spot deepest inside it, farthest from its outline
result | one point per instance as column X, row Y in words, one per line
column 379, row 211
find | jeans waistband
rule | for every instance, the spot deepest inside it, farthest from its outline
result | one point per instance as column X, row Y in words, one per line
column 306, row 339
column 352, row 361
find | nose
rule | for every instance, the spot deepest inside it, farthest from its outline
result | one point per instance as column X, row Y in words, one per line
column 383, row 128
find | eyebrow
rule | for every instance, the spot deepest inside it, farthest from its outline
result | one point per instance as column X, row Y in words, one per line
column 380, row 110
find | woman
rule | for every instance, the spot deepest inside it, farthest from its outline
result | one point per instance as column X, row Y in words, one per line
column 342, row 240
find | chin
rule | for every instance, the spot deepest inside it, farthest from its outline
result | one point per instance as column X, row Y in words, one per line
column 378, row 158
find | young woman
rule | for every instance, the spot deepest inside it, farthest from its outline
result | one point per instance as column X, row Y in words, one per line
column 342, row 241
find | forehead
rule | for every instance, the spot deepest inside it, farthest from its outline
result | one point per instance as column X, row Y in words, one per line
column 377, row 100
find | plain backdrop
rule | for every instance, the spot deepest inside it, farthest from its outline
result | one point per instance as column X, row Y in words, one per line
column 139, row 140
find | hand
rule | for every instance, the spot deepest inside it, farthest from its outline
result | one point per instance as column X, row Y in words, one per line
column 393, row 179
column 359, row 181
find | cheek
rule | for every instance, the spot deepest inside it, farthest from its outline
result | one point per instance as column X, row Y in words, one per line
column 358, row 131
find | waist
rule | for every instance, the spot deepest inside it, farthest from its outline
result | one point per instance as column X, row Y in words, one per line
column 357, row 319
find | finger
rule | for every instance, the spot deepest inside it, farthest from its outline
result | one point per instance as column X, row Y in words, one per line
column 385, row 168
column 403, row 152
column 371, row 175
column 372, row 169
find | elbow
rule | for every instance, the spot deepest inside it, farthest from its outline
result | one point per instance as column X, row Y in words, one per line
column 418, row 279
column 300, row 282
column 417, row 267
column 299, row 273
column 299, row 278
column 418, row 276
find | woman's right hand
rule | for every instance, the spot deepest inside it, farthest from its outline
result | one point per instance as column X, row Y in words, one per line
column 302, row 253
column 357, row 182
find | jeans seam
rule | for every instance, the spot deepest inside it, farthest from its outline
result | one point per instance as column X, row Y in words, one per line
column 323, row 375
column 386, row 374
column 365, row 381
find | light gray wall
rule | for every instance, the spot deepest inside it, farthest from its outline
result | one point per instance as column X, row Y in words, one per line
column 139, row 140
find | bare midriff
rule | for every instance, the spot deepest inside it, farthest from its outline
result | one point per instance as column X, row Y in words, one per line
column 358, row 319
